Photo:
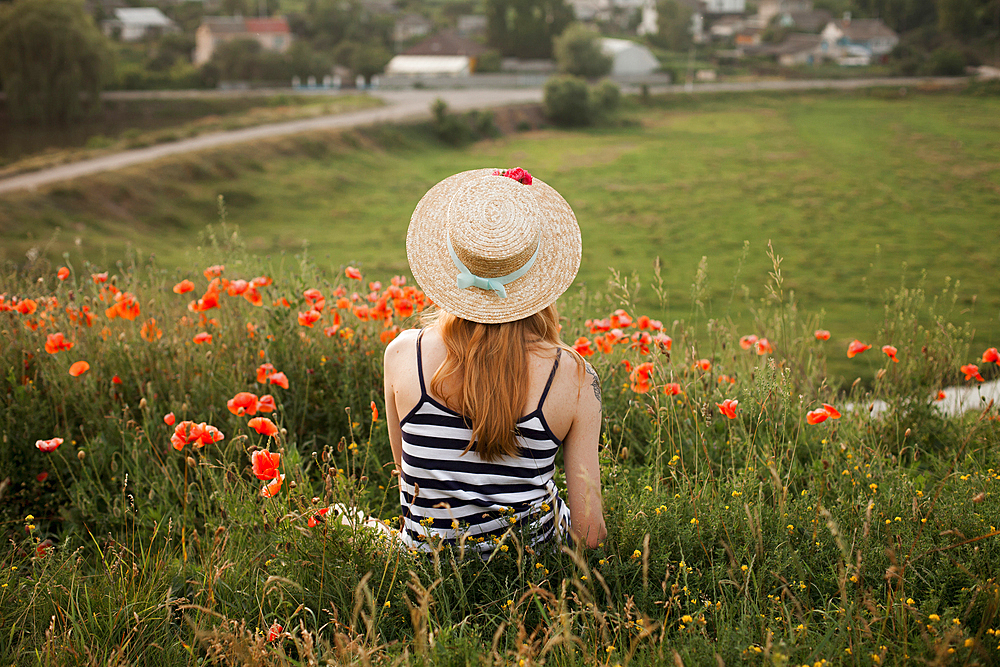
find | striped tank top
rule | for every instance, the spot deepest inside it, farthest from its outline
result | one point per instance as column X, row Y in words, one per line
column 447, row 493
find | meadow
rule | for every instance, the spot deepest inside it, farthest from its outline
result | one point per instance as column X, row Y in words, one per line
column 860, row 192
column 758, row 512
column 753, row 518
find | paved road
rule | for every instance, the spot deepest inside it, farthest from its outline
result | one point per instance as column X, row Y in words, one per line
column 401, row 105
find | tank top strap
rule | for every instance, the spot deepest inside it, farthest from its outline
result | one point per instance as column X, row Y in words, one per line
column 552, row 375
column 420, row 366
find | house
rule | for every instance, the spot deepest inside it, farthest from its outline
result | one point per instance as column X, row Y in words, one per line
column 797, row 49
column 726, row 27
column 131, row 24
column 471, row 24
column 748, row 37
column 768, row 9
column 724, row 6
column 649, row 19
column 812, row 21
column 444, row 53
column 591, row 10
column 272, row 33
column 410, row 26
column 851, row 41
column 629, row 58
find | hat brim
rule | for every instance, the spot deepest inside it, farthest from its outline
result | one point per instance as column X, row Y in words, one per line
column 552, row 273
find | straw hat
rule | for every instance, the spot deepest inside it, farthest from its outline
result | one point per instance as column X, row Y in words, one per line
column 489, row 248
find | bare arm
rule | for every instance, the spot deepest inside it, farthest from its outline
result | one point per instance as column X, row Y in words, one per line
column 583, row 475
column 394, row 357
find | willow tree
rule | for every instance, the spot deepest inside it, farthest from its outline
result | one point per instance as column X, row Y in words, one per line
column 52, row 59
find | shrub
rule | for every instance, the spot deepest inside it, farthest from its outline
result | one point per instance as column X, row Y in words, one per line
column 578, row 52
column 567, row 101
column 946, row 62
column 570, row 102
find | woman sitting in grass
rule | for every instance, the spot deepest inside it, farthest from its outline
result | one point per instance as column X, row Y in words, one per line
column 480, row 400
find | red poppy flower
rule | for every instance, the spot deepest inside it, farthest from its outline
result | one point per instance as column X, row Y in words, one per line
column 274, row 631
column 43, row 548
column 264, row 371
column 55, row 343
column 237, row 287
column 243, row 403
column 641, row 341
column 856, row 347
column 253, row 296
column 703, row 364
column 582, row 347
column 352, row 273
column 663, row 341
column 62, row 273
column 598, row 326
column 49, row 445
column 264, row 426
column 203, row 337
column 26, row 306
column 764, row 347
column 387, row 335
column 640, row 377
column 116, row 380
column 214, row 271
column 374, row 412
column 282, row 303
column 821, row 334
column 42, row 476
column 183, row 287
column 265, row 464
column 313, row 520
column 603, row 344
column 362, row 313
column 261, row 281
column 941, row 396
column 816, row 416
column 890, row 351
column 728, row 407
column 169, row 419
column 831, row 411
column 279, row 379
column 313, row 296
column 726, row 378
column 671, row 389
column 208, row 435
column 272, row 488
column 746, row 342
column 398, row 281
column 991, row 356
column 79, row 368
column 971, row 371
column 620, row 319
column 100, row 277
column 404, row 307
column 149, row 331
column 309, row 318
column 266, row 403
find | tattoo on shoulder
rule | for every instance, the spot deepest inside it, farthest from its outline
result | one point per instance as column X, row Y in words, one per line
column 596, row 382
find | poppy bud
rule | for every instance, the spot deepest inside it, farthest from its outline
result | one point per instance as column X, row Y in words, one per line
column 315, row 500
column 907, row 433
column 292, row 484
column 191, row 462
column 142, row 404
column 880, row 374
column 623, row 454
column 240, row 412
column 81, row 454
column 979, row 497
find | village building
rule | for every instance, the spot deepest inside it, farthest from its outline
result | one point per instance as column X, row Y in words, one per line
column 629, row 58
column 130, row 24
column 272, row 33
column 857, row 41
column 410, row 27
column 445, row 53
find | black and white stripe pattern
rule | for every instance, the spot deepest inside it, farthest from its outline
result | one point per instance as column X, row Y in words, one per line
column 446, row 493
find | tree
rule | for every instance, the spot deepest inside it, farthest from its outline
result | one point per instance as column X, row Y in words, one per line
column 51, row 56
column 674, row 22
column 526, row 28
column 578, row 52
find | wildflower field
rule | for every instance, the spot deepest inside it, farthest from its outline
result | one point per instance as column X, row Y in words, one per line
column 174, row 440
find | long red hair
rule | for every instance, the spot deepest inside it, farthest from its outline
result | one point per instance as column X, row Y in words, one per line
column 491, row 362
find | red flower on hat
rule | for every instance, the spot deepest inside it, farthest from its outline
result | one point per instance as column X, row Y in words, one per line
column 518, row 174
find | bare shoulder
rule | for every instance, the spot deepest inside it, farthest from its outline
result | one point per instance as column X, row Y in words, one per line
column 577, row 376
column 401, row 347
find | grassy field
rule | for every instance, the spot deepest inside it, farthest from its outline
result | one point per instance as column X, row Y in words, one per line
column 857, row 192
column 762, row 537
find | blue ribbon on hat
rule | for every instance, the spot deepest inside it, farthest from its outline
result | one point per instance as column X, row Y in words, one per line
column 467, row 278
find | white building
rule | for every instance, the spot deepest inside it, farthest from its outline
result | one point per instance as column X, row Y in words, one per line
column 629, row 58
column 131, row 24
column 724, row 6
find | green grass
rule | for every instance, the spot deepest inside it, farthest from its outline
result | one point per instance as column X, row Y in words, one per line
column 757, row 540
column 857, row 192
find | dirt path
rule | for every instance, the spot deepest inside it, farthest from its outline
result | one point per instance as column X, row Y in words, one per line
column 402, row 105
